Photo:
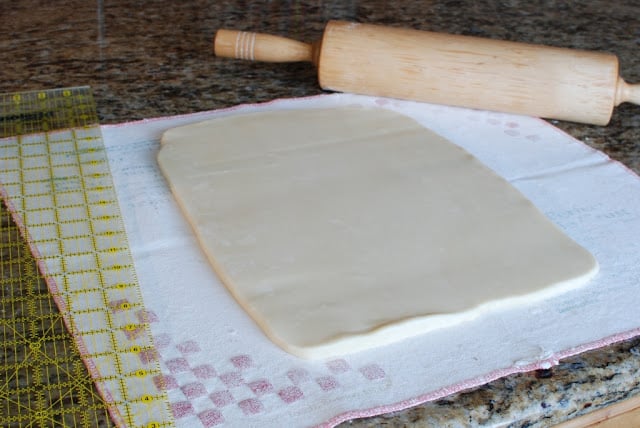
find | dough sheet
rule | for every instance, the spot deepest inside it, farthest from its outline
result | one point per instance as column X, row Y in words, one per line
column 339, row 230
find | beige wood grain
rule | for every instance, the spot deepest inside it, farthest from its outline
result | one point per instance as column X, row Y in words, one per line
column 625, row 414
column 535, row 80
column 469, row 71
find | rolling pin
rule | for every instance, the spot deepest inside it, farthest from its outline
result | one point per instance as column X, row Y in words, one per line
column 535, row 80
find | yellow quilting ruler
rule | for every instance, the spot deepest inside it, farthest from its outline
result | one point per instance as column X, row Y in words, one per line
column 67, row 233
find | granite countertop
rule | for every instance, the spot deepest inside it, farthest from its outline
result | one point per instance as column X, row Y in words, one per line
column 154, row 58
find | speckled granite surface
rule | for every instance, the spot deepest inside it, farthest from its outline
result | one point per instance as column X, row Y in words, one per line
column 153, row 58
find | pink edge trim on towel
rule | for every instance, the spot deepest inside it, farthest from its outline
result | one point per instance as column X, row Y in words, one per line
column 208, row 113
column 115, row 415
column 547, row 363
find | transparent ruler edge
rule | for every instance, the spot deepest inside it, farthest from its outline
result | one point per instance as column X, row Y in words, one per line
column 58, row 188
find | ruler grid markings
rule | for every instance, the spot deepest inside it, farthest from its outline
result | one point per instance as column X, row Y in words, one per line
column 55, row 177
column 105, row 302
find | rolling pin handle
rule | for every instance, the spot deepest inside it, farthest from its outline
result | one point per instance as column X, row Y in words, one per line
column 261, row 47
column 627, row 93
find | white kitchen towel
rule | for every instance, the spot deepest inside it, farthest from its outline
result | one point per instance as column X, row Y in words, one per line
column 218, row 367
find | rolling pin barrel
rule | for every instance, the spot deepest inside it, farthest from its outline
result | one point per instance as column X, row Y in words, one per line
column 558, row 83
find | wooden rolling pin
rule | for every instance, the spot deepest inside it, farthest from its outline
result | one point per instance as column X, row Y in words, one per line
column 535, row 80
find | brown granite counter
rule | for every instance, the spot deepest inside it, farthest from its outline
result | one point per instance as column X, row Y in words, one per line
column 154, row 58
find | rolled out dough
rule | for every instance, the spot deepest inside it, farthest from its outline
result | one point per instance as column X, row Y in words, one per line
column 342, row 229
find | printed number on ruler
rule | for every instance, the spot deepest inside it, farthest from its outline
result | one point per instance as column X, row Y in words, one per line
column 55, row 175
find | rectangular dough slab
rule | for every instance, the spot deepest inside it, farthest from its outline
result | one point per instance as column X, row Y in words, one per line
column 339, row 230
